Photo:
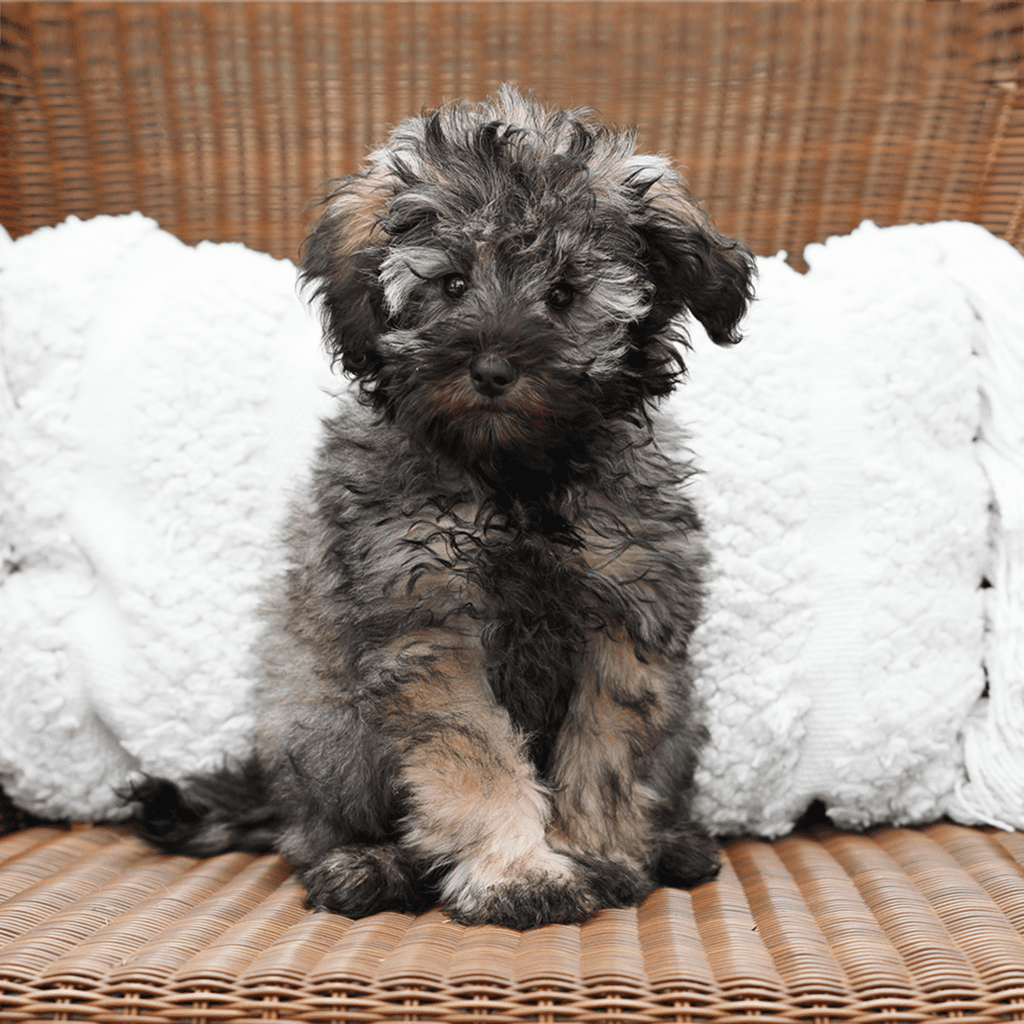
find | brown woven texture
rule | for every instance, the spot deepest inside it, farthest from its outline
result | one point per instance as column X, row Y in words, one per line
column 793, row 121
column 899, row 925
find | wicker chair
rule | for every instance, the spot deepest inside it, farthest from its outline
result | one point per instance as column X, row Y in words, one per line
column 795, row 122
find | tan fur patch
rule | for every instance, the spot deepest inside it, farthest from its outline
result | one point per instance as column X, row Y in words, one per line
column 602, row 804
column 356, row 210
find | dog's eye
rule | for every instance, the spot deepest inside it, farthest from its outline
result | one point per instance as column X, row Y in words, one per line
column 454, row 285
column 561, row 296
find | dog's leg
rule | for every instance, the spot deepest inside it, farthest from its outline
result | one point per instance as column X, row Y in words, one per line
column 474, row 808
column 608, row 777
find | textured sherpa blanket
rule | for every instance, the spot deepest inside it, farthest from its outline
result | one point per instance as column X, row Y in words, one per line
column 863, row 641
column 161, row 398
column 862, row 485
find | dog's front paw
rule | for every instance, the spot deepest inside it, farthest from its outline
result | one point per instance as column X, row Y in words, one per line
column 688, row 857
column 360, row 880
column 528, row 901
column 557, row 890
column 618, row 883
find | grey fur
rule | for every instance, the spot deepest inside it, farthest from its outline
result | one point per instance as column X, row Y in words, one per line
column 475, row 683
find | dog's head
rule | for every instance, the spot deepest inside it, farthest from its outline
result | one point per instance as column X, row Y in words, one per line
column 501, row 278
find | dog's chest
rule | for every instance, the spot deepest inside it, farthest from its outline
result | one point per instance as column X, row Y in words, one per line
column 534, row 601
column 524, row 578
column 534, row 590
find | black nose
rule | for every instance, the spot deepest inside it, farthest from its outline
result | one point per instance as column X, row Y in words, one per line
column 492, row 375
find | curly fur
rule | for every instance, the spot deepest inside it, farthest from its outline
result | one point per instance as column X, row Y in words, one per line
column 474, row 682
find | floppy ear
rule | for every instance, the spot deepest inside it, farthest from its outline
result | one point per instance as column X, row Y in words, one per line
column 692, row 266
column 340, row 259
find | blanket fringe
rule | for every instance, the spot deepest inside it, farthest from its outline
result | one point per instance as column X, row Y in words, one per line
column 993, row 791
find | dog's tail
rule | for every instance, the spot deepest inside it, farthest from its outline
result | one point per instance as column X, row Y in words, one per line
column 218, row 811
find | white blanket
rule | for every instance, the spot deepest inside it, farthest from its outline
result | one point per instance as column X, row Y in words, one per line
column 161, row 401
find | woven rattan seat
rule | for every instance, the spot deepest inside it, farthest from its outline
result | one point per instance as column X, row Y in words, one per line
column 794, row 122
column 901, row 924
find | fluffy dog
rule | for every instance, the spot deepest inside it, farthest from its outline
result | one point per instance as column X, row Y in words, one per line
column 474, row 684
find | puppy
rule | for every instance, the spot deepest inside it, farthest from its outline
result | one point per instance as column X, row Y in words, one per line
column 474, row 683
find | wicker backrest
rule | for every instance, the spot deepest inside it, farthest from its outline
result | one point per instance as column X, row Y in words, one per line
column 794, row 121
